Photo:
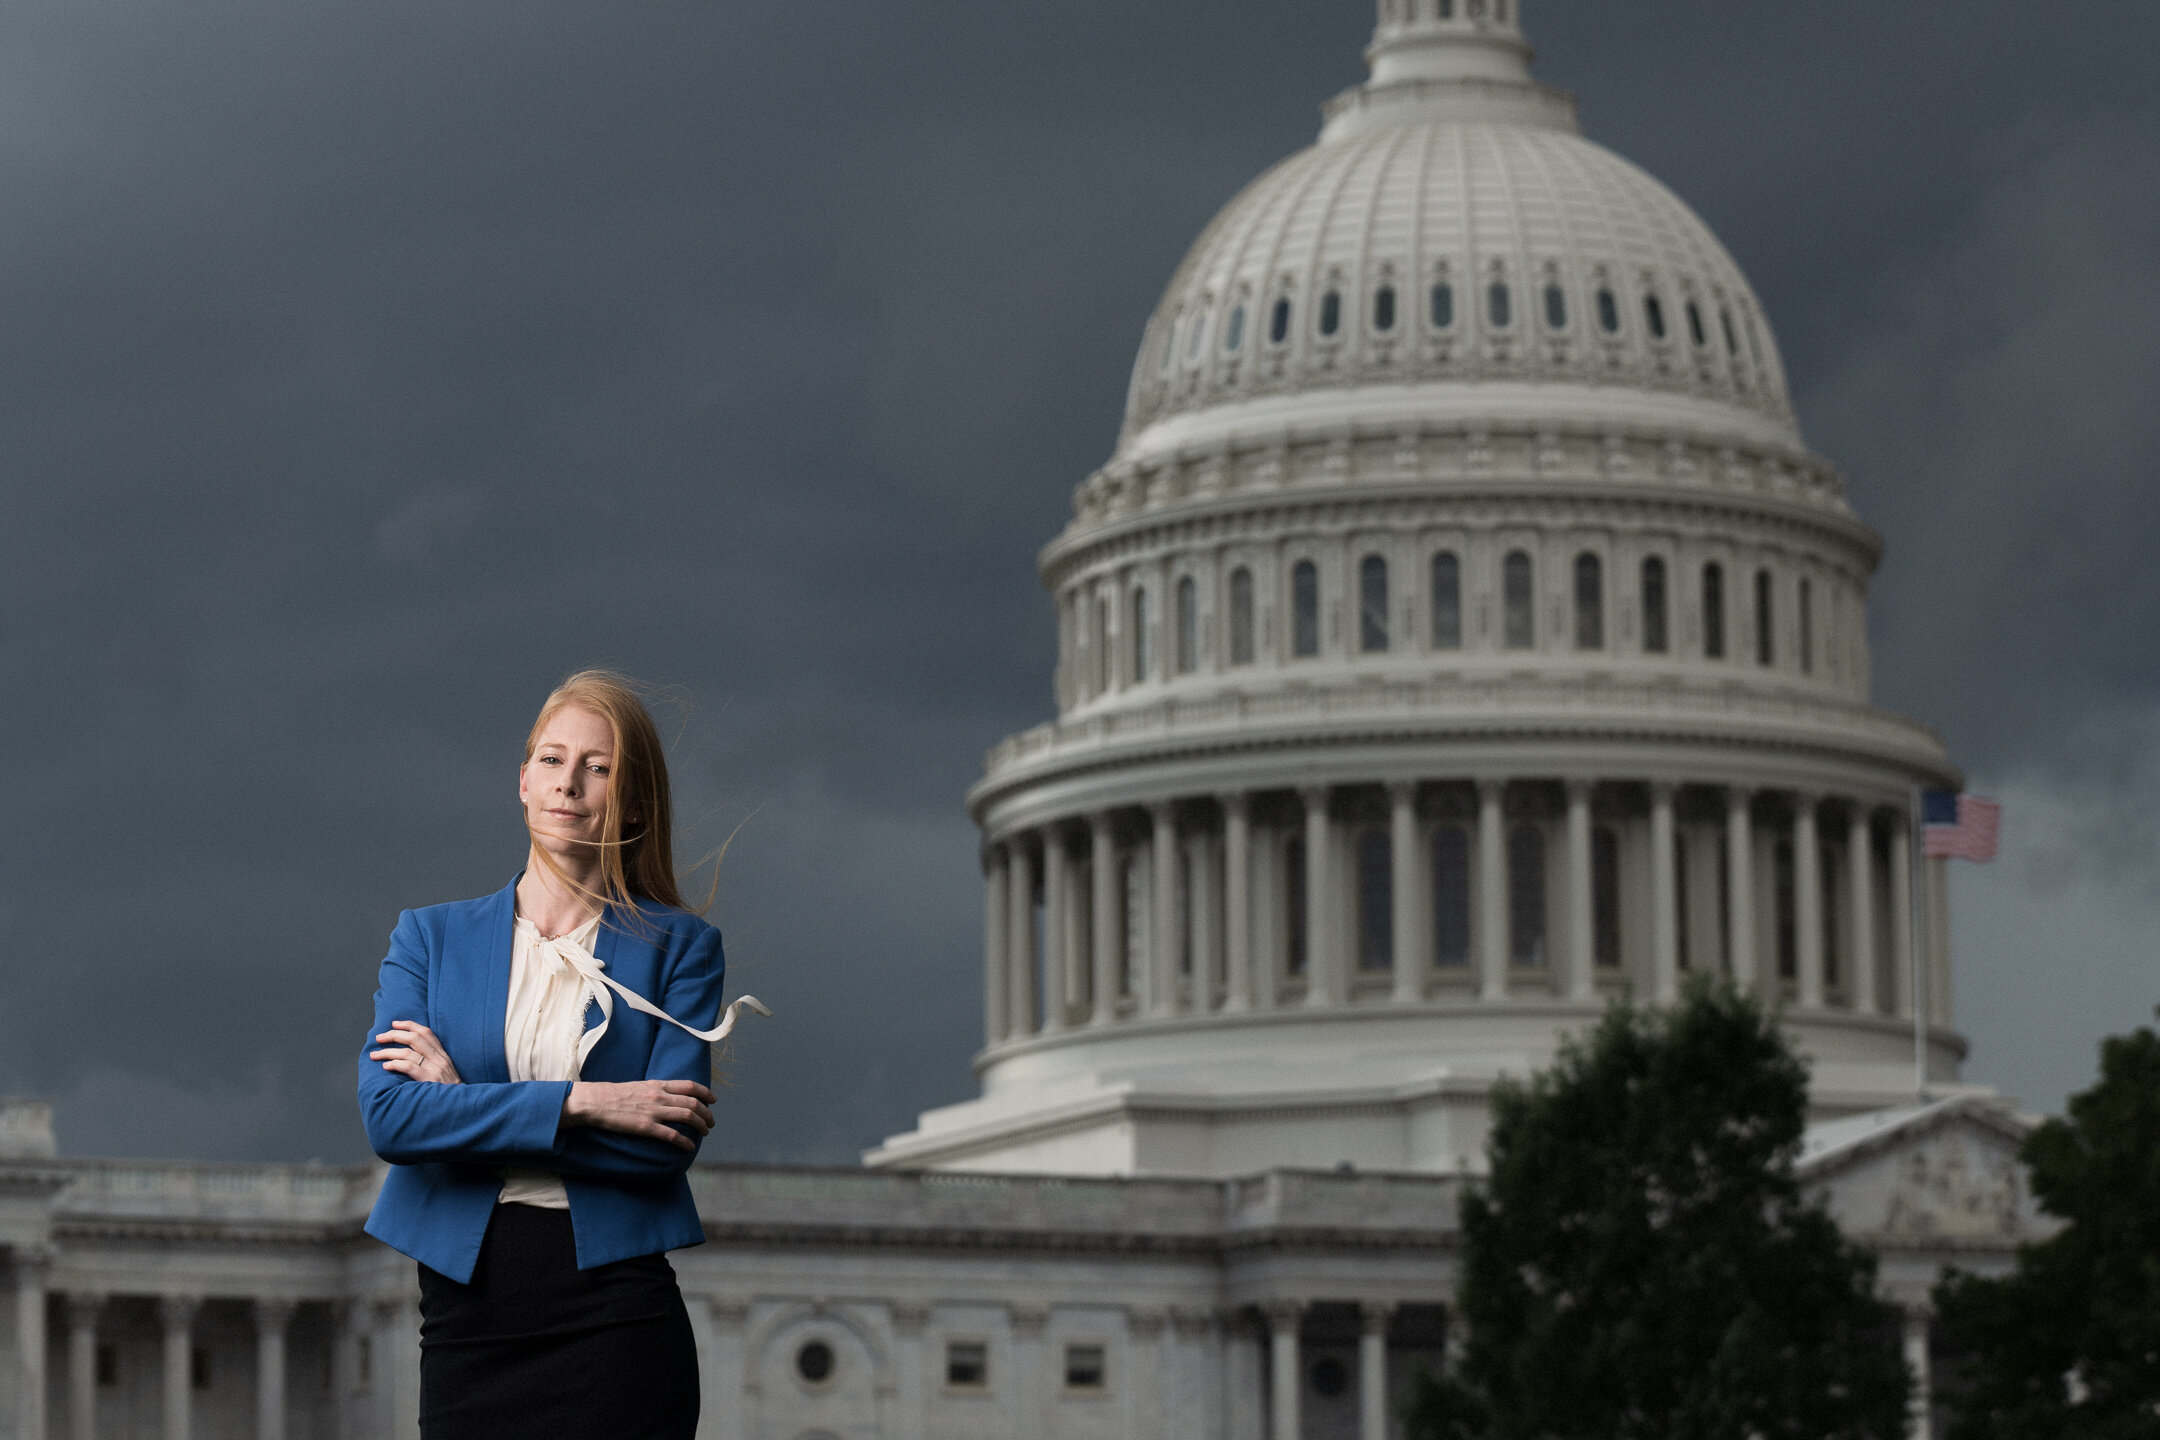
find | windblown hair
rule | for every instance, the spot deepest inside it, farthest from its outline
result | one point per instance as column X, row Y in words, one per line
column 640, row 864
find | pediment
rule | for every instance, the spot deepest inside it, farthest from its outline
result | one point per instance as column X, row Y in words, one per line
column 1946, row 1174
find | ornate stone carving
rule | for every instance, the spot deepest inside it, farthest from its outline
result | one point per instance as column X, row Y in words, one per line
column 1946, row 1189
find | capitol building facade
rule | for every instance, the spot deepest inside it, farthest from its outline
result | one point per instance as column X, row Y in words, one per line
column 1461, row 635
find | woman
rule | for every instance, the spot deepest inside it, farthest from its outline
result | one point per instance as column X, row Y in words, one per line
column 537, row 1152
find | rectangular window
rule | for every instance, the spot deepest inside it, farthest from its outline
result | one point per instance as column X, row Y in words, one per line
column 1654, row 636
column 1293, row 862
column 1526, row 895
column 1241, row 617
column 1451, row 896
column 1376, row 899
column 199, row 1368
column 1807, row 628
column 1784, row 895
column 1681, row 914
column 1143, row 662
column 108, row 1365
column 1605, row 896
column 1446, row 601
column 1713, row 612
column 1833, row 919
column 1305, row 609
column 1188, row 627
column 967, row 1364
column 1085, row 1367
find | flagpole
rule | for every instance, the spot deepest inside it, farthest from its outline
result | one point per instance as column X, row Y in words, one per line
column 1916, row 902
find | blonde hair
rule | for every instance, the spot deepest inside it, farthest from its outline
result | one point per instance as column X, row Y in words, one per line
column 639, row 865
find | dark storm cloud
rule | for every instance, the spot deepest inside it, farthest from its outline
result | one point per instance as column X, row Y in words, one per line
column 365, row 367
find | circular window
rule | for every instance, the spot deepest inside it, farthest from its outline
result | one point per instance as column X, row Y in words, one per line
column 814, row 1362
column 1330, row 1377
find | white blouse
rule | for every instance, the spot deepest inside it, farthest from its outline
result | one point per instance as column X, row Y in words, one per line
column 542, row 1028
column 554, row 982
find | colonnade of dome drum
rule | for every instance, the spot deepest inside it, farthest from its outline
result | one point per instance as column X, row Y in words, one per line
column 1477, row 890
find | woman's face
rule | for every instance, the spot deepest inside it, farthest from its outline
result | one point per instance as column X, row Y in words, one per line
column 564, row 787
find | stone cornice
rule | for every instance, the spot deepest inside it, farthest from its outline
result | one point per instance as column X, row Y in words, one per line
column 1317, row 720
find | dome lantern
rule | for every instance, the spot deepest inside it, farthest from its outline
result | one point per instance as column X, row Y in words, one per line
column 1448, row 60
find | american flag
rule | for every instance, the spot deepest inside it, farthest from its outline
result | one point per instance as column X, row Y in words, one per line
column 1957, row 826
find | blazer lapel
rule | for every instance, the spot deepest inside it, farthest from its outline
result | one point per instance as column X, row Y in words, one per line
column 486, row 964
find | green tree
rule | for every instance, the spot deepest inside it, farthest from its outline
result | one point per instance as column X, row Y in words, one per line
column 2067, row 1346
column 1641, row 1263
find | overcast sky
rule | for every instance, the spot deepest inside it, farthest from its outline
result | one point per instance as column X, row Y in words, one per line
column 366, row 366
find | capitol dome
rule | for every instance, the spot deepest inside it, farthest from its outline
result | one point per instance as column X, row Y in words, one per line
column 1459, row 636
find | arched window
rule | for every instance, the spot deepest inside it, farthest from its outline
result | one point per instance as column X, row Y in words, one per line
column 1188, row 626
column 1656, row 634
column 1765, row 649
column 1241, row 617
column 1499, row 306
column 1234, row 332
column 1304, row 609
column 1446, row 601
column 1102, row 645
column 1713, row 611
column 1654, row 316
column 1605, row 897
column 1372, row 604
column 1375, row 899
column 1589, row 602
column 1694, row 322
column 1520, row 632
column 1443, row 305
column 1199, row 337
column 1555, row 307
column 1526, row 895
column 1383, row 309
column 1608, row 312
column 1807, row 628
column 1451, row 896
column 1732, row 341
column 1294, row 901
column 1278, row 329
column 1142, row 660
column 1330, row 312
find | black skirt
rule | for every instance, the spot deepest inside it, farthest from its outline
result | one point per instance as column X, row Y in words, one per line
column 535, row 1346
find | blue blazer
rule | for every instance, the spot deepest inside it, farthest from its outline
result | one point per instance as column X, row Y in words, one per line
column 449, row 969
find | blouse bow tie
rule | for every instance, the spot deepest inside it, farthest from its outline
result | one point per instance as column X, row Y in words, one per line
column 563, row 955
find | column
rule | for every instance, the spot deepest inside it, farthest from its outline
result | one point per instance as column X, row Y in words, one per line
column 398, row 1325
column 1057, row 928
column 1664, row 900
column 1105, row 932
column 1203, row 853
column 1284, row 1375
column 82, row 1314
column 995, row 1018
column 1492, row 883
column 1166, row 942
column 32, row 1264
column 1938, row 941
column 1372, row 1372
column 1323, row 973
column 1921, row 1426
column 1244, row 1408
column 1581, row 980
column 1860, row 879
column 1032, row 1392
column 1740, row 874
column 272, row 1316
column 1144, row 1332
column 1020, row 949
column 1807, row 899
column 911, row 1371
column 1412, row 897
column 347, row 1326
column 1901, row 917
column 726, row 1316
column 1238, row 959
column 177, row 1314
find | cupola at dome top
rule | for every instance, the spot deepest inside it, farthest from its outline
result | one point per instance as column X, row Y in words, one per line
column 1448, row 60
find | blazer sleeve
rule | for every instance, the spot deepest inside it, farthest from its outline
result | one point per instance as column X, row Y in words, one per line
column 692, row 991
column 411, row 1121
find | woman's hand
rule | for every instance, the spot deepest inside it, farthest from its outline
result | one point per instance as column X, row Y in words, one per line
column 651, row 1108
column 414, row 1052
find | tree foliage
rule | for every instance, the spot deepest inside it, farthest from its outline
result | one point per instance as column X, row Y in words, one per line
column 1641, row 1263
column 2067, row 1347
